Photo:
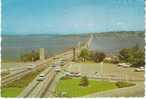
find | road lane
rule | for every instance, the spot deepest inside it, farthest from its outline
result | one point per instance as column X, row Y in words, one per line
column 51, row 89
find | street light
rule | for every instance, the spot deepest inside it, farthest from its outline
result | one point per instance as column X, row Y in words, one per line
column 101, row 68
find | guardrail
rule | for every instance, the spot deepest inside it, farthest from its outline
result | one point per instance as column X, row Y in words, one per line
column 14, row 77
column 13, row 74
column 18, row 75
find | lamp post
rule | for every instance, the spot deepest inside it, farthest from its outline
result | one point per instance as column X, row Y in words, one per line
column 101, row 68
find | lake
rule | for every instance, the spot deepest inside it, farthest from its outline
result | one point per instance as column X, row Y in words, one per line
column 14, row 46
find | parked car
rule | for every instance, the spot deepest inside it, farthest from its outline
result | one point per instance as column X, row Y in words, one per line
column 67, row 73
column 41, row 77
column 73, row 74
column 125, row 65
column 140, row 69
column 76, row 74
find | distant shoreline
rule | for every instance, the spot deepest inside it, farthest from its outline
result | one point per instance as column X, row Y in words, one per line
column 64, row 34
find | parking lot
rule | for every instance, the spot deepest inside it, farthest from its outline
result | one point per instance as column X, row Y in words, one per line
column 92, row 69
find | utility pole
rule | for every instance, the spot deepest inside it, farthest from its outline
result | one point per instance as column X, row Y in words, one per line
column 74, row 54
column 101, row 68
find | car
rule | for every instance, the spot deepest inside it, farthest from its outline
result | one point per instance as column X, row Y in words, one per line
column 77, row 74
column 62, row 63
column 125, row 65
column 73, row 74
column 140, row 69
column 57, row 69
column 67, row 73
column 31, row 66
column 54, row 65
column 41, row 77
column 63, row 59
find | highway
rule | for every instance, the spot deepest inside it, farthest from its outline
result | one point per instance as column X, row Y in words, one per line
column 33, row 85
column 39, row 88
column 17, row 73
column 51, row 89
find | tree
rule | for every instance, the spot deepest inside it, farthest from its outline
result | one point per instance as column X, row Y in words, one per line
column 124, row 54
column 32, row 56
column 84, row 81
column 133, row 55
column 98, row 56
column 136, row 57
column 115, row 59
column 85, row 54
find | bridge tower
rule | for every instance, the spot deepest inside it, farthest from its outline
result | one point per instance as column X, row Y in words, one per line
column 42, row 53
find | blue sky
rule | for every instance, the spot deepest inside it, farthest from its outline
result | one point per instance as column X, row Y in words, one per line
column 71, row 16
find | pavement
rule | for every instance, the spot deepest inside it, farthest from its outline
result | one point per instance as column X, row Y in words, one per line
column 48, row 84
column 92, row 69
column 89, row 69
column 51, row 89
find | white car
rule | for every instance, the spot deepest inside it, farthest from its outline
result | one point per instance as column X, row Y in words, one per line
column 73, row 74
column 41, row 77
column 77, row 74
column 57, row 69
column 31, row 66
column 141, row 69
column 125, row 65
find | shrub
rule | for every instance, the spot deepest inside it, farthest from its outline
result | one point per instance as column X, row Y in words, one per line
column 84, row 81
column 123, row 84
